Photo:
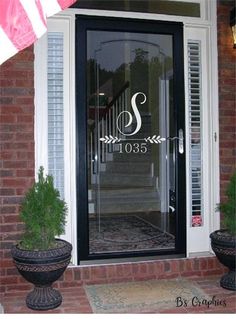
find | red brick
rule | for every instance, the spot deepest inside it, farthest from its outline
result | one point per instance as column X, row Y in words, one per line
column 159, row 268
column 226, row 59
column 191, row 273
column 143, row 268
column 196, row 264
column 11, row 219
column 111, row 271
column 7, row 118
column 68, row 275
column 167, row 266
column 69, row 284
column 127, row 270
column 8, row 210
column 210, row 264
column 119, row 271
column 212, row 272
column 19, row 287
column 25, row 118
column 15, row 164
column 7, row 192
column 8, row 228
column 174, row 264
column 9, row 280
column 98, row 272
column 203, row 263
column 77, row 274
column 151, row 268
column 85, row 273
column 15, row 182
column 135, row 268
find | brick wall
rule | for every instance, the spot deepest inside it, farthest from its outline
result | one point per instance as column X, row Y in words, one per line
column 16, row 152
column 227, row 94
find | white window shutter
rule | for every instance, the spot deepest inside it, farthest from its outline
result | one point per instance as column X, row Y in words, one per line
column 194, row 97
column 55, row 109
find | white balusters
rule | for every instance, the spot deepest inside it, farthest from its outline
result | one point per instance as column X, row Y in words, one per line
column 107, row 134
column 114, row 120
column 110, row 128
column 105, row 125
column 116, row 115
column 122, row 110
column 102, row 124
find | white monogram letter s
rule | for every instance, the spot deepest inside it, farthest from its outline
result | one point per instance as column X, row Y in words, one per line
column 136, row 113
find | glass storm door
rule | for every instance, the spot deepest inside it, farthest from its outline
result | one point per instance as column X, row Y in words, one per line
column 130, row 138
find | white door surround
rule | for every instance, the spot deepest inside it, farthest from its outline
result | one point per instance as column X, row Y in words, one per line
column 203, row 30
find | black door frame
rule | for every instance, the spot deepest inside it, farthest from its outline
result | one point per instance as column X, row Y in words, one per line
column 83, row 24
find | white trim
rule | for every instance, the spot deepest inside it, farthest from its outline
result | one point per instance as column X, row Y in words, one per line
column 205, row 13
column 40, row 97
column 196, row 233
column 65, row 26
column 210, row 99
column 214, row 119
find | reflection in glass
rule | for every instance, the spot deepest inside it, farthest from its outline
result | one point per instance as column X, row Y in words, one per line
column 179, row 8
column 131, row 149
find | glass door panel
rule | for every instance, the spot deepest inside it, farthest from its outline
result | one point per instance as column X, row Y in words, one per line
column 131, row 161
column 134, row 143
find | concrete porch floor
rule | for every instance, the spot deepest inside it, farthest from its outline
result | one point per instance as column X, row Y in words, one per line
column 75, row 300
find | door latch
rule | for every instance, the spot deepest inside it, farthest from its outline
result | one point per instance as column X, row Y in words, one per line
column 181, row 141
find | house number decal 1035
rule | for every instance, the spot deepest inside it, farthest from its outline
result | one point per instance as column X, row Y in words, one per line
column 132, row 146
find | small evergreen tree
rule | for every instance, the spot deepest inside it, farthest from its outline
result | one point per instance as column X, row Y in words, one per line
column 228, row 208
column 43, row 213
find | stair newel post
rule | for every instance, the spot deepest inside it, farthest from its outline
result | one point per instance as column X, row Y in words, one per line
column 107, row 133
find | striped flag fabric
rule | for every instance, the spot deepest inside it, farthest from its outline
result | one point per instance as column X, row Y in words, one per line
column 22, row 22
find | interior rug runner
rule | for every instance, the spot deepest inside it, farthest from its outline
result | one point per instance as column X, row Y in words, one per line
column 126, row 233
column 144, row 296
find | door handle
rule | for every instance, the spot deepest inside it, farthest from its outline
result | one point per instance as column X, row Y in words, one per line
column 181, row 141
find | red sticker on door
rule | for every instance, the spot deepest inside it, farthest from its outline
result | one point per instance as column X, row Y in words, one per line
column 196, row 221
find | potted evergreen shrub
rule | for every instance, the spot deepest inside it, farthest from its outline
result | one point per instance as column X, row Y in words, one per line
column 223, row 241
column 39, row 257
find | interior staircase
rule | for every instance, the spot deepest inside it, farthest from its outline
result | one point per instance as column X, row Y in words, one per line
column 127, row 184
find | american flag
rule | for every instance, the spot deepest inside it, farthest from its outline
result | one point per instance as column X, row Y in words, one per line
column 22, row 22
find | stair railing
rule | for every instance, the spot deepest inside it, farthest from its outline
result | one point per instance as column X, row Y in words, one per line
column 105, row 125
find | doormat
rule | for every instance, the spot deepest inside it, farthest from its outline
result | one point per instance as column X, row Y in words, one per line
column 126, row 233
column 150, row 296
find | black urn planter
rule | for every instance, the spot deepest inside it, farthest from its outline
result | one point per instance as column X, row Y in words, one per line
column 224, row 246
column 42, row 268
